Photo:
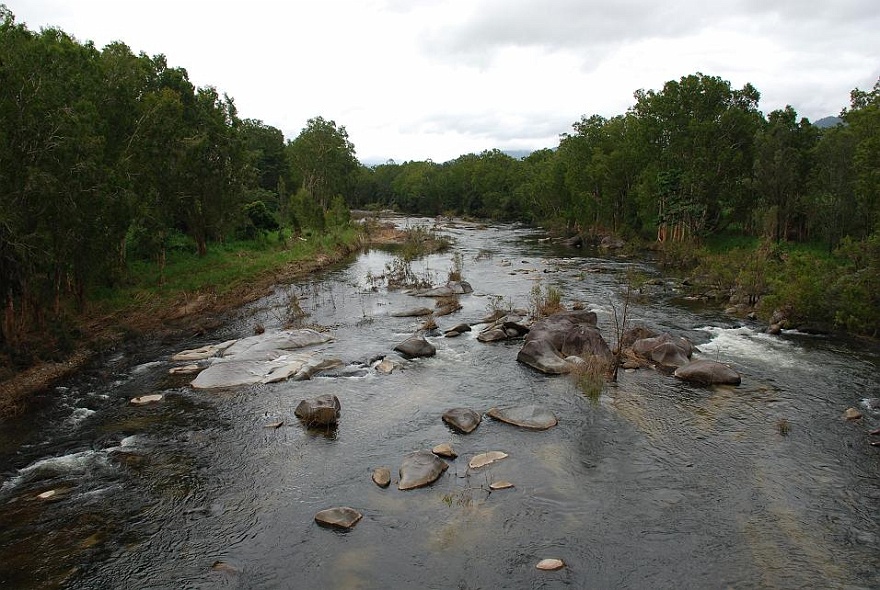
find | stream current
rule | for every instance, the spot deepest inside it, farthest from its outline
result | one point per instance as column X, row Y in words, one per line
column 654, row 484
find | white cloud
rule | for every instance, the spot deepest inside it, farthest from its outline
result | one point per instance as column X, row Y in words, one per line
column 440, row 78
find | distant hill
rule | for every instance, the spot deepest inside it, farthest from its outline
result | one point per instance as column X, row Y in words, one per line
column 826, row 122
column 518, row 154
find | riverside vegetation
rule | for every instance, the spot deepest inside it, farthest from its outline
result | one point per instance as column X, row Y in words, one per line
column 123, row 186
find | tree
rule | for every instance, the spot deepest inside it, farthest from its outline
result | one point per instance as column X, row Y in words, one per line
column 324, row 158
column 863, row 118
column 782, row 164
column 701, row 133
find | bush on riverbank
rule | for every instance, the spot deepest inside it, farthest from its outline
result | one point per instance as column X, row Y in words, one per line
column 809, row 284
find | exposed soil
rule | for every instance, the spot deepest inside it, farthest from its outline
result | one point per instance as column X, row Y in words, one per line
column 191, row 313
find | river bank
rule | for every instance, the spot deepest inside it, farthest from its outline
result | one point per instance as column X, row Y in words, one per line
column 180, row 313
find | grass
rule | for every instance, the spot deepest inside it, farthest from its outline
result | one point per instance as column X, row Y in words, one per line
column 589, row 376
column 224, row 269
column 545, row 302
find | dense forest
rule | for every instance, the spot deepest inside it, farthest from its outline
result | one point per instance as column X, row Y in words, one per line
column 107, row 157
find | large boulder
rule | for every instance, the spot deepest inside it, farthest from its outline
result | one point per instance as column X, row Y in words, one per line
column 416, row 347
column 561, row 335
column 319, row 411
column 706, row 372
column 420, row 468
column 665, row 349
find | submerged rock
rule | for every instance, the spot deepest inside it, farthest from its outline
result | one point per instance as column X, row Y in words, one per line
column 319, row 411
column 413, row 313
column 852, row 414
column 147, row 399
column 706, row 372
column 531, row 416
column 342, row 517
column 419, row 469
column 416, row 347
column 464, row 420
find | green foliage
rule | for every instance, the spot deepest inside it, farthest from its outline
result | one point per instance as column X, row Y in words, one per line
column 324, row 158
column 545, row 302
column 338, row 215
column 259, row 220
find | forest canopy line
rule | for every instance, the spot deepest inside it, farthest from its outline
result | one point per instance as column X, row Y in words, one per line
column 109, row 159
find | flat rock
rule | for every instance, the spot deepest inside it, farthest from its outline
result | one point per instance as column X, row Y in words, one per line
column 500, row 485
column 705, row 372
column 342, row 517
column 531, row 416
column 382, row 477
column 264, row 358
column 420, row 468
column 484, row 459
column 464, row 420
column 549, row 565
column 203, row 352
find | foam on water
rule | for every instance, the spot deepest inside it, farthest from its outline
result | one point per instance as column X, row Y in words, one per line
column 74, row 464
column 746, row 343
column 77, row 417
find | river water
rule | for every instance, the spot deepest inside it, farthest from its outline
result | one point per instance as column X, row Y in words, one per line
column 654, row 484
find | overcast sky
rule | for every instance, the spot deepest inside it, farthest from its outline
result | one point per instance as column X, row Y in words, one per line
column 435, row 79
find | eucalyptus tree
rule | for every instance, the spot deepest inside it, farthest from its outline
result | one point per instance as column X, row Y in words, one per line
column 863, row 118
column 701, row 134
column 325, row 159
column 781, row 168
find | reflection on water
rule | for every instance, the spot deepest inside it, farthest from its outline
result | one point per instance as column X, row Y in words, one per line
column 656, row 484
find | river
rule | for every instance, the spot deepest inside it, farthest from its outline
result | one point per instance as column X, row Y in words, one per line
column 653, row 484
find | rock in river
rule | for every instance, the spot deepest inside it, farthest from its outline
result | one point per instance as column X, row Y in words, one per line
column 416, row 347
column 706, row 372
column 484, row 459
column 531, row 416
column 342, row 517
column 445, row 450
column 563, row 334
column 319, row 411
column 264, row 358
column 420, row 468
column 382, row 477
column 464, row 420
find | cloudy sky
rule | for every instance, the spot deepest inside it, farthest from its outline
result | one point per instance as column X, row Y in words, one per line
column 435, row 79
